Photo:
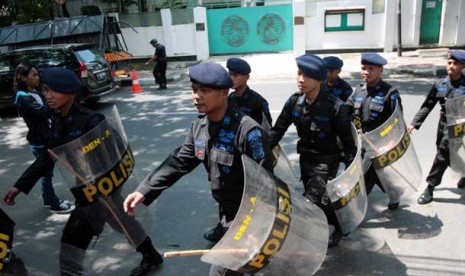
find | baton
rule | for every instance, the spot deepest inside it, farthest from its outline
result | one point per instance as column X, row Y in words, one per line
column 186, row 253
column 80, row 178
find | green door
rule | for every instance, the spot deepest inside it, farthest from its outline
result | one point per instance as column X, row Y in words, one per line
column 252, row 29
column 430, row 21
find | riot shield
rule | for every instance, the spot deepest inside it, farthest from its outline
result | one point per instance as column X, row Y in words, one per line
column 96, row 166
column 393, row 156
column 6, row 239
column 275, row 232
column 348, row 194
column 455, row 113
column 283, row 167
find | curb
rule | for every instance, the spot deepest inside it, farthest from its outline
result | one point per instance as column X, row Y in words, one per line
column 429, row 70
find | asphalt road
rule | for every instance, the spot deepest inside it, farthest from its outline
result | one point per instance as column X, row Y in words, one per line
column 413, row 240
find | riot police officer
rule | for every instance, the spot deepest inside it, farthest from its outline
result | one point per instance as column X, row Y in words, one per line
column 243, row 98
column 217, row 138
column 334, row 85
column 161, row 63
column 319, row 120
column 70, row 122
column 374, row 100
column 450, row 86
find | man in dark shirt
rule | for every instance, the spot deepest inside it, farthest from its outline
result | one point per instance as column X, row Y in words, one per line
column 217, row 138
column 161, row 62
column 334, row 85
column 450, row 86
column 70, row 122
column 373, row 101
column 243, row 98
column 320, row 121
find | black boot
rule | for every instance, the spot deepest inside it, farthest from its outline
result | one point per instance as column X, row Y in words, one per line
column 427, row 195
column 150, row 258
column 334, row 239
column 215, row 234
column 461, row 183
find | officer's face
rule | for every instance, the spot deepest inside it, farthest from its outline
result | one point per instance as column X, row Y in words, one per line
column 306, row 84
column 333, row 74
column 239, row 80
column 57, row 101
column 371, row 74
column 208, row 100
column 454, row 69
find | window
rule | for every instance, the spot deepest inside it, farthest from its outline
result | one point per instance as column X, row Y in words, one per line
column 345, row 20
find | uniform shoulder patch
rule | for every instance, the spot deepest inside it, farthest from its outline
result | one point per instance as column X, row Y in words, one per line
column 254, row 138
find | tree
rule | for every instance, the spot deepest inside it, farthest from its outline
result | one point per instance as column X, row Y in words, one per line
column 62, row 3
column 27, row 11
column 122, row 4
column 173, row 4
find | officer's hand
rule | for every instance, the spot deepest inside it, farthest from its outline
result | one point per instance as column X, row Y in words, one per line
column 131, row 201
column 410, row 129
column 9, row 197
column 147, row 63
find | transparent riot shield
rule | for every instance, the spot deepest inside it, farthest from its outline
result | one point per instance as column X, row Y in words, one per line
column 6, row 239
column 348, row 194
column 96, row 166
column 283, row 167
column 275, row 232
column 455, row 113
column 393, row 156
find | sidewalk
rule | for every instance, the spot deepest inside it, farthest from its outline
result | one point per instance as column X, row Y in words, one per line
column 275, row 66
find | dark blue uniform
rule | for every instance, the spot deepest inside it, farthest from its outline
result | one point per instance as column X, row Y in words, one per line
column 36, row 114
column 443, row 88
column 219, row 147
column 340, row 90
column 88, row 221
column 159, row 70
column 318, row 126
column 251, row 104
column 372, row 107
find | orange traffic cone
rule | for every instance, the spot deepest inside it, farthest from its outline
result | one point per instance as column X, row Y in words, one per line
column 135, row 83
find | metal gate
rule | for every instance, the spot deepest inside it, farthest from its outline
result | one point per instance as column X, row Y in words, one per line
column 251, row 29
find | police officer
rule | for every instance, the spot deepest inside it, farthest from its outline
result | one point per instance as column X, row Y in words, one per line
column 373, row 101
column 334, row 85
column 450, row 86
column 243, row 98
column 159, row 70
column 71, row 121
column 217, row 138
column 319, row 120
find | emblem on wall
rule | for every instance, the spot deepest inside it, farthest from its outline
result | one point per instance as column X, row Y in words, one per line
column 235, row 31
column 271, row 28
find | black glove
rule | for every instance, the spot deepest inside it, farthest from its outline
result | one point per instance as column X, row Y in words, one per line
column 315, row 188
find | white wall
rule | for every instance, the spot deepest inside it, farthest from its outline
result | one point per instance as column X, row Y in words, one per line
column 139, row 43
column 460, row 37
column 183, row 40
column 298, row 9
column 449, row 21
column 410, row 22
column 317, row 38
column 380, row 29
column 179, row 40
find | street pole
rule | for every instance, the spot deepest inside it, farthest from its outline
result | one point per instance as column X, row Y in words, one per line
column 399, row 29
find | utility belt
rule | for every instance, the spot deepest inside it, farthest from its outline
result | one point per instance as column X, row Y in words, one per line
column 319, row 158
